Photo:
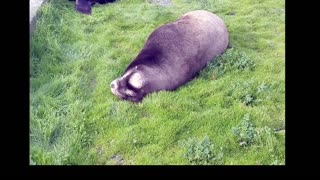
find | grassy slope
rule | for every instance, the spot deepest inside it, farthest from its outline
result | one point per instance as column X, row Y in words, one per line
column 74, row 118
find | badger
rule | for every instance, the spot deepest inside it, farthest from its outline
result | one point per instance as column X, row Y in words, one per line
column 173, row 54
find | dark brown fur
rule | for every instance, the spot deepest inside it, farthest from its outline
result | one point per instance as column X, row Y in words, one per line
column 84, row 6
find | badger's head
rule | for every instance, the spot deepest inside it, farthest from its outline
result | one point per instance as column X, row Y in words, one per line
column 131, row 86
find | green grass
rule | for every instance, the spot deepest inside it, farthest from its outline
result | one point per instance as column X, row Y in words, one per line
column 75, row 119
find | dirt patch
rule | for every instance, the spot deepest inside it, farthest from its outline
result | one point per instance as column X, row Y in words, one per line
column 100, row 151
column 117, row 159
column 93, row 83
column 161, row 2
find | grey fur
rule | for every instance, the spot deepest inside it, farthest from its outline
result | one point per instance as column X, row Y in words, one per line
column 174, row 53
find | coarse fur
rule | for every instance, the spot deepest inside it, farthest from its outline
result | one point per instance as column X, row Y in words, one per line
column 173, row 54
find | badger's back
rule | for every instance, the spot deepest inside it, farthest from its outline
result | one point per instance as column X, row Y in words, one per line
column 184, row 47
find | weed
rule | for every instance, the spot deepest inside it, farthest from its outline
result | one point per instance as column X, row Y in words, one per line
column 231, row 61
column 250, row 100
column 202, row 152
column 246, row 133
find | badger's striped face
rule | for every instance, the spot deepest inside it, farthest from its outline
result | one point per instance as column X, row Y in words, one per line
column 129, row 86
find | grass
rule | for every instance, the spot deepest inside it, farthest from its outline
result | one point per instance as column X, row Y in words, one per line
column 75, row 119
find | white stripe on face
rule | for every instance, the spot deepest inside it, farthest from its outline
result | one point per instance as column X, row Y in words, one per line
column 130, row 93
column 136, row 80
column 126, row 74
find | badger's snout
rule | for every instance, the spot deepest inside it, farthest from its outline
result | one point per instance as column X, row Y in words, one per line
column 114, row 84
